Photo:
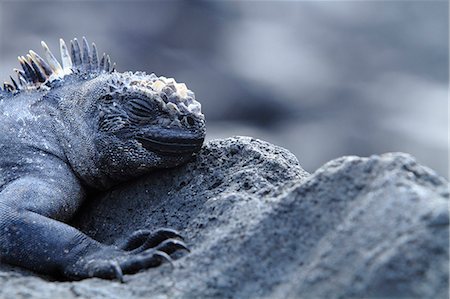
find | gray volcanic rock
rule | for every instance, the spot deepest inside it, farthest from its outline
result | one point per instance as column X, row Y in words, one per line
column 259, row 226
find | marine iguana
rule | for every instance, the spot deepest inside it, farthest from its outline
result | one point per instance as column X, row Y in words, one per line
column 80, row 126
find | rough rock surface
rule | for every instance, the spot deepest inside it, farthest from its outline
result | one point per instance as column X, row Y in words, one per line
column 259, row 226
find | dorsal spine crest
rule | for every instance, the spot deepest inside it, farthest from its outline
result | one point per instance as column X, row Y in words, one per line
column 39, row 73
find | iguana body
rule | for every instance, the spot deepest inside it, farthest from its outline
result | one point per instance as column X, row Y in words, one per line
column 66, row 130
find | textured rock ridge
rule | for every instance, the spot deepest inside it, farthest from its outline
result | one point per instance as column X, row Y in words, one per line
column 259, row 226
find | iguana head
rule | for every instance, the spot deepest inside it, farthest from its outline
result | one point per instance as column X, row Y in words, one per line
column 113, row 125
column 143, row 122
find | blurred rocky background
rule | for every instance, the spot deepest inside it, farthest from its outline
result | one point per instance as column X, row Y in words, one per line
column 322, row 79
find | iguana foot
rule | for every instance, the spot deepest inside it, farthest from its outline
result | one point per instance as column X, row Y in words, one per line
column 142, row 250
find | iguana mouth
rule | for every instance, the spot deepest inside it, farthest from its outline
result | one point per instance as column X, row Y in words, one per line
column 171, row 146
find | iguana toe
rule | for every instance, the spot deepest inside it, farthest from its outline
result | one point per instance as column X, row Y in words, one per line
column 147, row 259
column 171, row 245
column 144, row 239
column 105, row 269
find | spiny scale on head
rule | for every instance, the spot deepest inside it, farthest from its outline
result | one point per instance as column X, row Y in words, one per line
column 38, row 73
column 173, row 97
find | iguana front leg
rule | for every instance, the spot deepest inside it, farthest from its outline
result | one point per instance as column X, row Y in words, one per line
column 33, row 236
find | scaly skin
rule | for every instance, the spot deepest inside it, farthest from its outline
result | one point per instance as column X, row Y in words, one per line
column 79, row 128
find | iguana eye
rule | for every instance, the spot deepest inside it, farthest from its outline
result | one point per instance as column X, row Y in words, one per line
column 140, row 109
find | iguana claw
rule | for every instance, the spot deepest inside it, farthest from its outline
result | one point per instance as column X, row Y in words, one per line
column 118, row 271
